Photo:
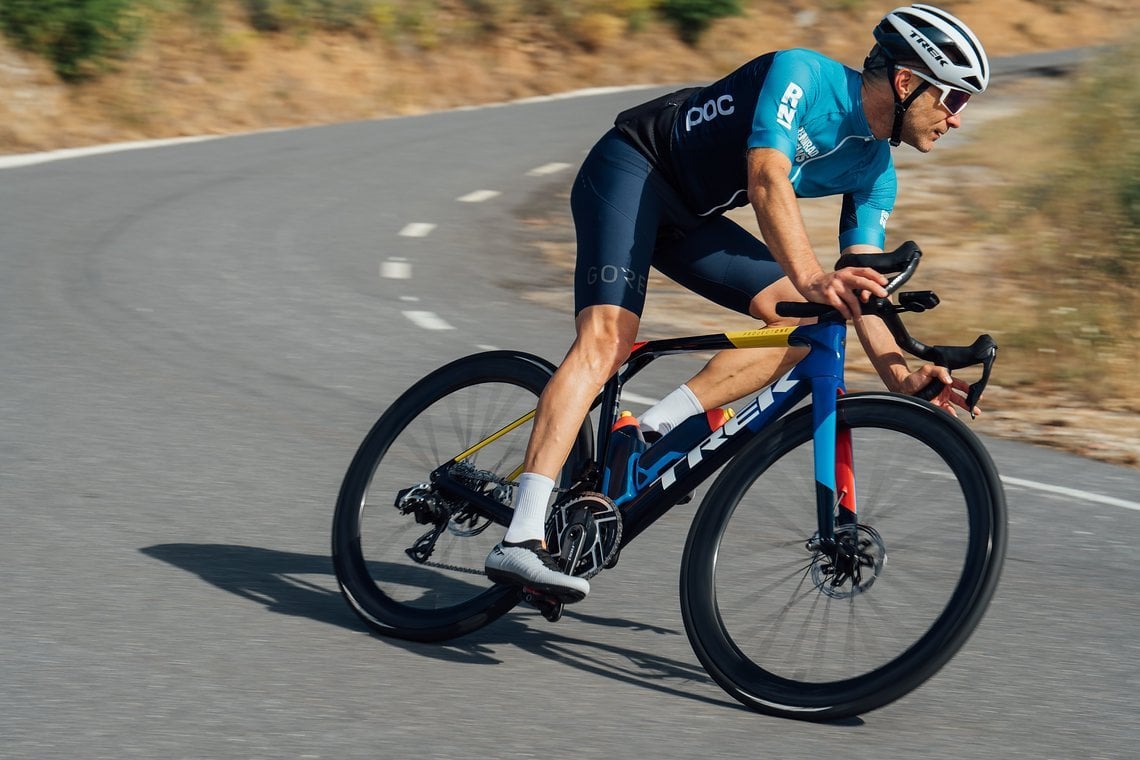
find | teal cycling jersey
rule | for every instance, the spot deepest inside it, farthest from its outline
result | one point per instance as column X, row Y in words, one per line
column 799, row 102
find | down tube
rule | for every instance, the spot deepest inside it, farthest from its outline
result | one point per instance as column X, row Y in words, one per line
column 824, row 391
column 711, row 454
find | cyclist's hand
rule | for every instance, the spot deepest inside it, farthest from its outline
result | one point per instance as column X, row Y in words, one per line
column 953, row 391
column 844, row 289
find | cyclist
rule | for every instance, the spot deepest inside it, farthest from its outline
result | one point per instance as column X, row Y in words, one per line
column 788, row 124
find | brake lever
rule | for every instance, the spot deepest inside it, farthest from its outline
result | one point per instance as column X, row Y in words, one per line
column 982, row 351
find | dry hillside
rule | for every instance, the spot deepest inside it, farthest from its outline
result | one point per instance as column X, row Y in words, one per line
column 186, row 79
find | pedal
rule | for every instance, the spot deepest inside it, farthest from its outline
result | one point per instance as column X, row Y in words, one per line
column 547, row 605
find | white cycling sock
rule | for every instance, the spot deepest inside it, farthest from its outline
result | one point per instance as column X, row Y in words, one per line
column 671, row 411
column 529, row 519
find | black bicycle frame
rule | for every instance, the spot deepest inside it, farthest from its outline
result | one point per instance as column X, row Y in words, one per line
column 819, row 374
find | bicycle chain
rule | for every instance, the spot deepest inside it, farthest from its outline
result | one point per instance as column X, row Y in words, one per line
column 455, row 568
column 489, row 477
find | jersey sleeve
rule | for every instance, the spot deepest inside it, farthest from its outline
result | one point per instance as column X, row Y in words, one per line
column 788, row 87
column 863, row 220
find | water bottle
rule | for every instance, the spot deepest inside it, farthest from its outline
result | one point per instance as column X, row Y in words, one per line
column 626, row 444
column 677, row 442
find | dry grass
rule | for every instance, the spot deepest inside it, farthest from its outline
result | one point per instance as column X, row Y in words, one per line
column 1069, row 207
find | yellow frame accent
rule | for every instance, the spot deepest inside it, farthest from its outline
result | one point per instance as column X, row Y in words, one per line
column 496, row 436
column 766, row 337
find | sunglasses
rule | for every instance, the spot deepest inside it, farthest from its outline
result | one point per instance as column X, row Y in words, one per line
column 951, row 99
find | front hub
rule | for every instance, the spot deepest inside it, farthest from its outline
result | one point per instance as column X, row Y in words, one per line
column 848, row 564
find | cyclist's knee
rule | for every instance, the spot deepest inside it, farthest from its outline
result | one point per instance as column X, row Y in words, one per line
column 604, row 340
column 763, row 304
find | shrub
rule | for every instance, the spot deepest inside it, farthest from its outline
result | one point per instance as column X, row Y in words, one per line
column 300, row 15
column 79, row 37
column 693, row 17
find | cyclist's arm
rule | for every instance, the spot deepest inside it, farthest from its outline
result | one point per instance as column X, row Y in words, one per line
column 782, row 226
column 885, row 355
column 891, row 365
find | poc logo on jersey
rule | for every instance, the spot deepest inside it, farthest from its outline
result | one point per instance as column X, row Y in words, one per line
column 788, row 104
column 715, row 107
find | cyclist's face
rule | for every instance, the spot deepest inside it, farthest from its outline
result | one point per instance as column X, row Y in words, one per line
column 927, row 121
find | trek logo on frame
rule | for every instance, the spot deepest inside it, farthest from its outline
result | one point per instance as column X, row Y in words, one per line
column 729, row 429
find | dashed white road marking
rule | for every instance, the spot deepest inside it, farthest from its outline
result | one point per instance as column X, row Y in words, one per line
column 485, row 347
column 479, row 196
column 545, row 169
column 1096, row 498
column 396, row 269
column 417, row 229
column 428, row 320
column 410, row 298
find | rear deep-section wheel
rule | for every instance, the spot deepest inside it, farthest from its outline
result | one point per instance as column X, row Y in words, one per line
column 408, row 554
column 819, row 630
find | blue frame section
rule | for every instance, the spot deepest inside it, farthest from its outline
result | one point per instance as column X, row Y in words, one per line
column 649, row 493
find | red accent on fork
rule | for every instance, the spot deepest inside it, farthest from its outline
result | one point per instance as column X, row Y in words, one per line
column 845, row 469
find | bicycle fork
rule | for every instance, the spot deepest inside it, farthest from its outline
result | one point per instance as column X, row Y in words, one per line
column 846, row 556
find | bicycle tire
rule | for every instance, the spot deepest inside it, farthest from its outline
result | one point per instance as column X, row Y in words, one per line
column 813, row 654
column 437, row 418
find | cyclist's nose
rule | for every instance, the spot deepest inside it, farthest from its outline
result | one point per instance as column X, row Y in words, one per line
column 954, row 120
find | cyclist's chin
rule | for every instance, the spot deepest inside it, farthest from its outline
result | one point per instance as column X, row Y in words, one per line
column 923, row 143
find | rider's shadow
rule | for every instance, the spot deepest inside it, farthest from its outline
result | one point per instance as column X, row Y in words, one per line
column 277, row 580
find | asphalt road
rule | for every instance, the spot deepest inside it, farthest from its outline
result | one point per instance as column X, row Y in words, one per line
column 194, row 340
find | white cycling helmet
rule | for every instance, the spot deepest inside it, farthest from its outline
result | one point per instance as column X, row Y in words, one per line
column 922, row 35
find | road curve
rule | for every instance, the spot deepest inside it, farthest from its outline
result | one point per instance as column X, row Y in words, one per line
column 196, row 337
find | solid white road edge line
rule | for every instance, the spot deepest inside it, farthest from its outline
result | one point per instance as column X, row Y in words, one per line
column 1096, row 498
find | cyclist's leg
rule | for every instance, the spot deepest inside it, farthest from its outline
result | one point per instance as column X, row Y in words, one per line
column 736, row 373
column 617, row 203
column 728, row 265
column 605, row 335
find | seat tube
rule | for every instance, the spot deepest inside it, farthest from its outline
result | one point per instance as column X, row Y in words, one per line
column 825, row 390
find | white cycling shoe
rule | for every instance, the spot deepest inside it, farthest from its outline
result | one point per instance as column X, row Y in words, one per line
column 528, row 564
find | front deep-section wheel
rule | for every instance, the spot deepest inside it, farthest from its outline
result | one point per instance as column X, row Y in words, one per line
column 793, row 626
column 409, row 554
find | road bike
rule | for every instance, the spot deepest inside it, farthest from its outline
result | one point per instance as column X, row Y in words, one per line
column 844, row 553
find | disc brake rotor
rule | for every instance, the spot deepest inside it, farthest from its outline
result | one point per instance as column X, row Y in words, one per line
column 849, row 565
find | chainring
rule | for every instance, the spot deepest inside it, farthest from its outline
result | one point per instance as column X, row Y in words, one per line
column 584, row 534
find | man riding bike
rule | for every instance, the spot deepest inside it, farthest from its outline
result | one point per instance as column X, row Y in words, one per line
column 791, row 123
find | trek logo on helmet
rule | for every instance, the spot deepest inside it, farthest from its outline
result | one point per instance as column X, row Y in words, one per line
column 929, row 47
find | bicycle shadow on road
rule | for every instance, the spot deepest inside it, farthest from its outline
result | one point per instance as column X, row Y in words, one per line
column 277, row 580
